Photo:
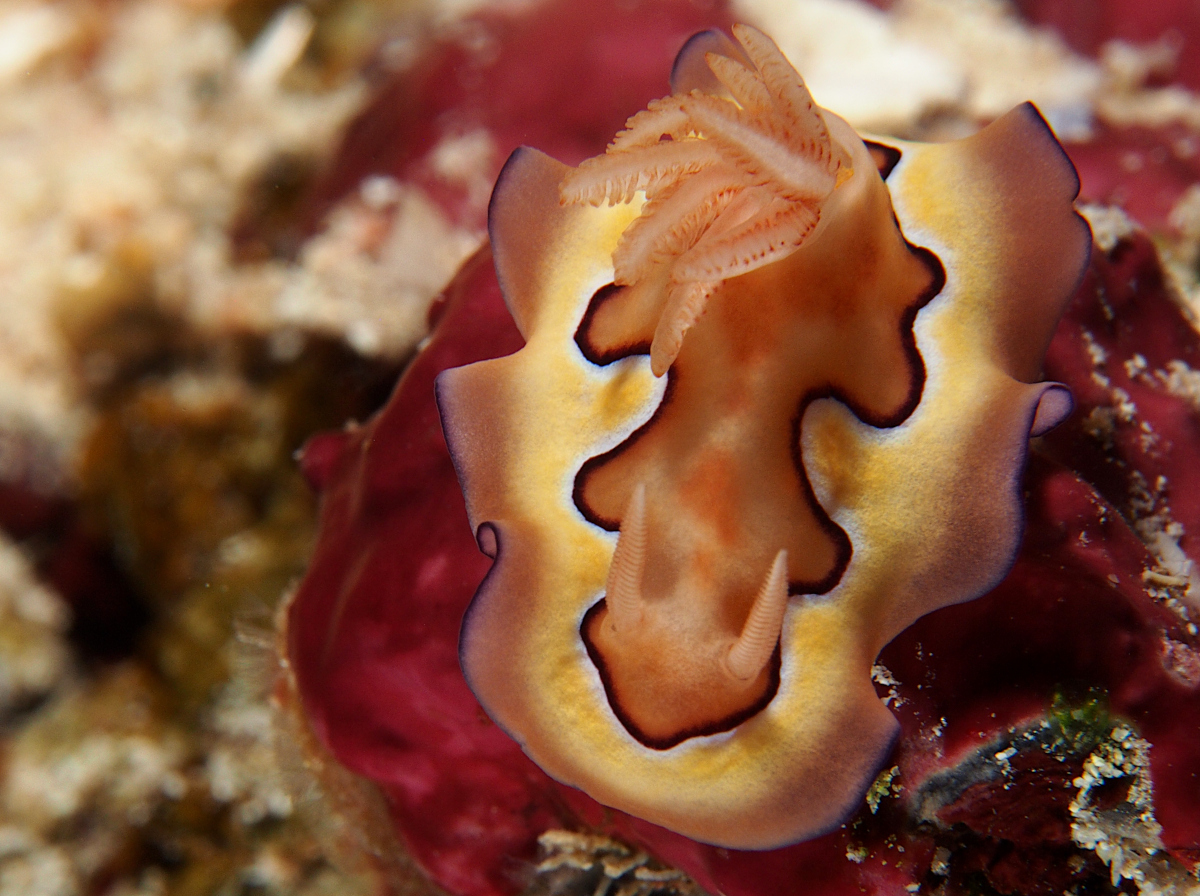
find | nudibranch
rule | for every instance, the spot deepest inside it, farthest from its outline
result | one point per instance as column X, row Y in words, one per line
column 773, row 405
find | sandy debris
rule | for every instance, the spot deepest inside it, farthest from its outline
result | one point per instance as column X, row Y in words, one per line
column 140, row 134
column 1126, row 836
column 34, row 656
column 962, row 62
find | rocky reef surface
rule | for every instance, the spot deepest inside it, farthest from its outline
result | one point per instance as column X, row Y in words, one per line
column 227, row 228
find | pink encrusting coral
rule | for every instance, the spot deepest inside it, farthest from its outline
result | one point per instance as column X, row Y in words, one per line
column 1087, row 621
column 1131, row 354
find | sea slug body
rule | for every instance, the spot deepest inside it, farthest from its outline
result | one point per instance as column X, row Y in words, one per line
column 773, row 406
